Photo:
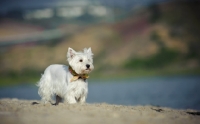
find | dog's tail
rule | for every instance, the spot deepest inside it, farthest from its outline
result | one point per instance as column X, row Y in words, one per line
column 38, row 83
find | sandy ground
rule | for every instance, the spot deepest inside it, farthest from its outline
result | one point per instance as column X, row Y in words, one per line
column 23, row 112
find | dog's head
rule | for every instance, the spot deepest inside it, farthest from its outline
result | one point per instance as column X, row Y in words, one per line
column 81, row 62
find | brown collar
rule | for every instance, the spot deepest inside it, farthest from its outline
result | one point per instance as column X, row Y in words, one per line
column 77, row 76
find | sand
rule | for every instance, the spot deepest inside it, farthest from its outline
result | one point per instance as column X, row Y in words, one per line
column 15, row 111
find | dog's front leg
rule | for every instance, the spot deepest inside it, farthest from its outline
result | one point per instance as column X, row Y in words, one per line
column 82, row 99
column 71, row 100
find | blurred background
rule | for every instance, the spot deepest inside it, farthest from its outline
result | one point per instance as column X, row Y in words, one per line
column 145, row 51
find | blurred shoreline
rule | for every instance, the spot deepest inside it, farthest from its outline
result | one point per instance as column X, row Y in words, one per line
column 178, row 92
column 33, row 77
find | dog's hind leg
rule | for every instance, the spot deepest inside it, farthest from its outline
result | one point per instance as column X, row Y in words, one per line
column 58, row 99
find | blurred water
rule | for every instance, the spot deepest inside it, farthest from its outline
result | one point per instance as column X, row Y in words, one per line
column 177, row 92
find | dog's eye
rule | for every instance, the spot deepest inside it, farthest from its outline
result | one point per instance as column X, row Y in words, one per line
column 80, row 60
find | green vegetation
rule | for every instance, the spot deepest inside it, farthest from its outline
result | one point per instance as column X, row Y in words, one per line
column 161, row 59
column 154, row 13
column 26, row 76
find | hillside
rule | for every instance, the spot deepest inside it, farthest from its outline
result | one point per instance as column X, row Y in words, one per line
column 153, row 40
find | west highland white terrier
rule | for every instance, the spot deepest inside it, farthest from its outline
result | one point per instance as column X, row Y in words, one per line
column 61, row 83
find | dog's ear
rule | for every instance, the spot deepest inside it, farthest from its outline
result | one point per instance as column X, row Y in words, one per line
column 88, row 51
column 71, row 53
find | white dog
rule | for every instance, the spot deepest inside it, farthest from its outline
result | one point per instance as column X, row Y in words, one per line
column 67, row 83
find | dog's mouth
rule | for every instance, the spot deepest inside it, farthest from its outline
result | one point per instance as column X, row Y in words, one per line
column 86, row 71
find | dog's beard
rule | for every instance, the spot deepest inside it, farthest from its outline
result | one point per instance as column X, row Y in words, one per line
column 83, row 70
column 86, row 71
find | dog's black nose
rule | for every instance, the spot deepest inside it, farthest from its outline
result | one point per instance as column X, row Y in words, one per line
column 88, row 66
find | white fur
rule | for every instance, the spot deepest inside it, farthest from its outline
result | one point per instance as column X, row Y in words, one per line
column 56, row 79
